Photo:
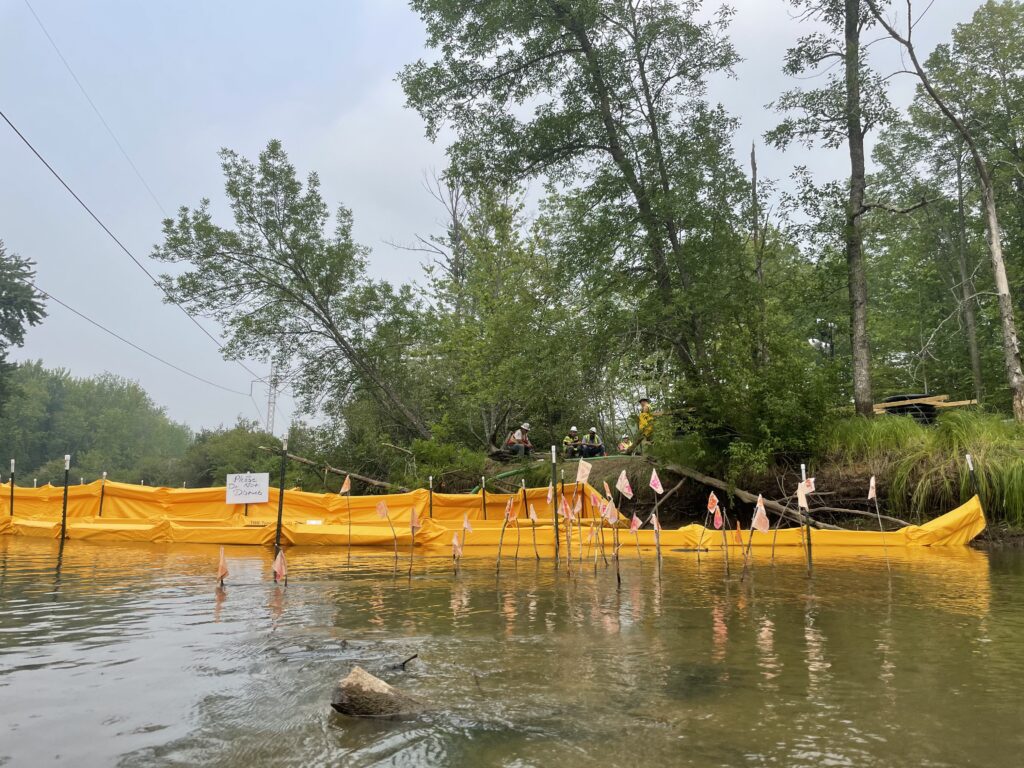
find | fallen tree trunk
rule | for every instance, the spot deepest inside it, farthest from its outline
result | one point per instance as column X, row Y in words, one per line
column 340, row 472
column 750, row 498
column 861, row 513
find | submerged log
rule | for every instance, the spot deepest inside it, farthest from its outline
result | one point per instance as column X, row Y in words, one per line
column 360, row 694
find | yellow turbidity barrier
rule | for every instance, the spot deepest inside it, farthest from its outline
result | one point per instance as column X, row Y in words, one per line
column 201, row 516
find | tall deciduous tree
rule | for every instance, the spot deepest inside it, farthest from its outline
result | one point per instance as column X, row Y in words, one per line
column 845, row 109
column 598, row 94
column 285, row 286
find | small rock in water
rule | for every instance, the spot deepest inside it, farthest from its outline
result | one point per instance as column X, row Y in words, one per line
column 360, row 694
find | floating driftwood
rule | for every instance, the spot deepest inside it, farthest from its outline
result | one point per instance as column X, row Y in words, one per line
column 360, row 694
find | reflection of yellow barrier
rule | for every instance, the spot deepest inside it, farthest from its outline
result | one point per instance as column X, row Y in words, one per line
column 200, row 515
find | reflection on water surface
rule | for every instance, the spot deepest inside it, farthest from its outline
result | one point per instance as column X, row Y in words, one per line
column 128, row 655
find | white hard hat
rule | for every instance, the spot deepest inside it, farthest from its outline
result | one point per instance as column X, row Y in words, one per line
column 573, row 429
column 526, row 426
column 625, row 437
column 593, row 429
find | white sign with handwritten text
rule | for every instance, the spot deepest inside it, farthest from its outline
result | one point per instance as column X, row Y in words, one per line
column 249, row 488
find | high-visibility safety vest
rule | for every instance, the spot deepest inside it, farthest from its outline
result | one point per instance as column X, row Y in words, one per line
column 592, row 438
column 645, row 420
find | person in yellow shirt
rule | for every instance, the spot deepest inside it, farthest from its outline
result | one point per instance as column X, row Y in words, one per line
column 645, row 420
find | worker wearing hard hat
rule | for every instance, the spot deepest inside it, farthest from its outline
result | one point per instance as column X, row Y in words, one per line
column 571, row 444
column 593, row 445
column 518, row 442
column 625, row 444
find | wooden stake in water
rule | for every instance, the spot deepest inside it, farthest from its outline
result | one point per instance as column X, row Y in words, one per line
column 872, row 494
column 615, row 543
column 554, row 504
column 414, row 525
column 568, row 524
column 657, row 538
column 346, row 490
column 384, row 513
column 579, row 517
column 703, row 530
column 523, row 513
column 807, row 520
column 501, row 536
column 725, row 540
column 533, row 530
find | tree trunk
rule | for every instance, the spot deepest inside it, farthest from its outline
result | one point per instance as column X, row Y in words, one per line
column 967, row 286
column 856, row 269
column 1011, row 345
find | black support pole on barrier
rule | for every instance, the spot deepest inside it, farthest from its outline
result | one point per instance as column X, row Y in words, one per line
column 103, row 491
column 280, row 496
column 12, row 489
column 483, row 498
column 430, row 509
column 64, row 506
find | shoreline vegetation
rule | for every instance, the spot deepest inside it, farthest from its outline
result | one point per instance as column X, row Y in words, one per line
column 920, row 469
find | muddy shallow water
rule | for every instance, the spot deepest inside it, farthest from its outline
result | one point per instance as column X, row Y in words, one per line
column 127, row 655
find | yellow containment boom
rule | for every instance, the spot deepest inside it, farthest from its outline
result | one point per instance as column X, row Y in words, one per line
column 201, row 516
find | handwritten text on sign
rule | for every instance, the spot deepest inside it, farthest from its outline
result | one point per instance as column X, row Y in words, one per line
column 250, row 488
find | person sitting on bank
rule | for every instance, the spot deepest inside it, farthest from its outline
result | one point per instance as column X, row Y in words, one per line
column 625, row 444
column 518, row 442
column 571, row 444
column 593, row 445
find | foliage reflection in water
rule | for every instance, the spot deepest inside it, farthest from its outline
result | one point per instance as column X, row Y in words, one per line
column 129, row 655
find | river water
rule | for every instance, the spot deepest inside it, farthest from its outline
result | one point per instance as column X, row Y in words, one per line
column 127, row 655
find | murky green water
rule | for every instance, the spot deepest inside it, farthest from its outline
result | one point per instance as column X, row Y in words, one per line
column 127, row 656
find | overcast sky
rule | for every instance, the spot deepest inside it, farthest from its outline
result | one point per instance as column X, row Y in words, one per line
column 176, row 81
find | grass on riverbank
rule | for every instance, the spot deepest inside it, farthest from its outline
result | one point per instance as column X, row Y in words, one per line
column 923, row 467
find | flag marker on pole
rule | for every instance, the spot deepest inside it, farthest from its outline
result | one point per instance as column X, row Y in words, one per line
column 873, row 495
column 222, row 568
column 280, row 568
column 384, row 514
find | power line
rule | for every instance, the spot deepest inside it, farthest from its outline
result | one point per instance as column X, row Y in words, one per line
column 95, row 109
column 132, row 344
column 121, row 245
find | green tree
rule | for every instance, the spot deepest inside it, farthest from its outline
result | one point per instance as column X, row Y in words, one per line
column 606, row 98
column 107, row 423
column 21, row 306
column 286, row 287
column 845, row 109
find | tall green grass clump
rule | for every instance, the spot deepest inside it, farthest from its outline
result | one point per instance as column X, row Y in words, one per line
column 924, row 466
